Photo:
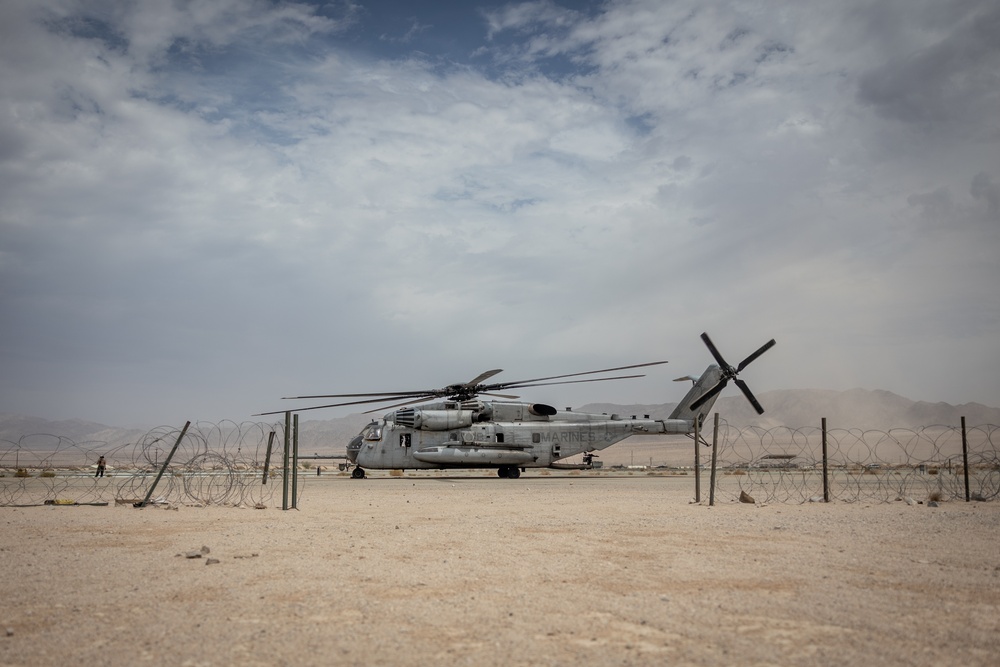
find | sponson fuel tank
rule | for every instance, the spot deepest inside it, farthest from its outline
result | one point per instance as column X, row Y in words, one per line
column 471, row 455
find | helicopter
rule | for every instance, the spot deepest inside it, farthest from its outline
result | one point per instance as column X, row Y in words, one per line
column 467, row 431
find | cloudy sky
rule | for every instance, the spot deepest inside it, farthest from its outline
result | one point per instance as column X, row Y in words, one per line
column 206, row 205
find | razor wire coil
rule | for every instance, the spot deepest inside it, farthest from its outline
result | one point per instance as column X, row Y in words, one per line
column 212, row 464
column 222, row 464
column 784, row 465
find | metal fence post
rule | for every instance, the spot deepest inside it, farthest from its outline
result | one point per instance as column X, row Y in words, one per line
column 965, row 460
column 826, row 478
column 295, row 461
column 715, row 458
column 267, row 457
column 156, row 481
column 697, row 474
column 284, row 466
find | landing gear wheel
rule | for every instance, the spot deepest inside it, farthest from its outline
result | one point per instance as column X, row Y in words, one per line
column 502, row 472
column 358, row 473
column 509, row 472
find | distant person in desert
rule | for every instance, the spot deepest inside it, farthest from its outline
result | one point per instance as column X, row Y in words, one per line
column 101, row 464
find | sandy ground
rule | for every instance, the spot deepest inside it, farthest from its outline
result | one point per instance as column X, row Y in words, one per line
column 475, row 570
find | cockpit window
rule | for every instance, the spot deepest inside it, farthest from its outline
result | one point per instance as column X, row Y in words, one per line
column 372, row 432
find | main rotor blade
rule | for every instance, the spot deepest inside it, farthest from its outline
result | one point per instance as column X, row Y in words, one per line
column 544, row 384
column 709, row 394
column 750, row 397
column 570, row 375
column 715, row 353
column 761, row 350
column 413, row 398
column 483, row 376
column 389, row 394
column 474, row 387
column 507, row 396
column 418, row 399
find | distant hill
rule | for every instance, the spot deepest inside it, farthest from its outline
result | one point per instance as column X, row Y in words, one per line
column 853, row 409
column 12, row 427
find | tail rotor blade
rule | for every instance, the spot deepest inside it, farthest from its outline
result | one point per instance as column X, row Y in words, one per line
column 763, row 348
column 750, row 397
column 709, row 394
column 714, row 350
column 730, row 373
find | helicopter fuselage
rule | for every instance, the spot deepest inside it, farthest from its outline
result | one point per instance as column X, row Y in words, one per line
column 466, row 432
column 492, row 434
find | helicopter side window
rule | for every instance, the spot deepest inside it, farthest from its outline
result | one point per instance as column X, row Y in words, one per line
column 372, row 432
column 404, row 439
column 499, row 437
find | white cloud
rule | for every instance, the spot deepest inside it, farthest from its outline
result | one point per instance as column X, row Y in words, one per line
column 227, row 190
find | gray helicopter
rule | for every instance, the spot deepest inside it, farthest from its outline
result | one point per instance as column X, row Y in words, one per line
column 464, row 431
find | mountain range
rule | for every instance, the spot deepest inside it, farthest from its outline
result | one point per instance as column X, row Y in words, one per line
column 852, row 409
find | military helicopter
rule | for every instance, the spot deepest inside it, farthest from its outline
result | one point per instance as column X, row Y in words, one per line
column 465, row 431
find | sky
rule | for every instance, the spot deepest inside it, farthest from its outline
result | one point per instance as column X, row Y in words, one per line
column 207, row 205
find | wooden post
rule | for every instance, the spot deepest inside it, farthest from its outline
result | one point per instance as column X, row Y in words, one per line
column 697, row 473
column 826, row 478
column 284, row 465
column 965, row 460
column 715, row 458
column 267, row 457
column 156, row 481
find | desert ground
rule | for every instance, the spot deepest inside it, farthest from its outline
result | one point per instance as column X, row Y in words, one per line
column 470, row 569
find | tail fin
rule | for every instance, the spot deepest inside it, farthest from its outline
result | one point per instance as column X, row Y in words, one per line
column 702, row 385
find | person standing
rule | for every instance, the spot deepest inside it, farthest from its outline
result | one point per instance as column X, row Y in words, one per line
column 101, row 464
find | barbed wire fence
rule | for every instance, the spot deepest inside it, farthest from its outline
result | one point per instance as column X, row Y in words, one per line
column 223, row 464
column 785, row 465
column 214, row 464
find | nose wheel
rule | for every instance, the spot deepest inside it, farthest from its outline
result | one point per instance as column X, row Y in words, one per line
column 509, row 472
column 358, row 473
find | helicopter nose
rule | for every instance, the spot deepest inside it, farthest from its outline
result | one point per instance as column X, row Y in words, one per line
column 353, row 447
